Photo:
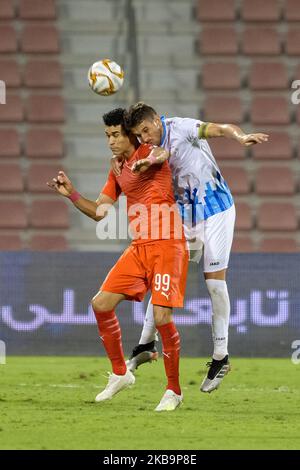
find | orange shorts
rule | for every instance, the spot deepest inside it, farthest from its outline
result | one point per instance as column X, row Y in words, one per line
column 159, row 266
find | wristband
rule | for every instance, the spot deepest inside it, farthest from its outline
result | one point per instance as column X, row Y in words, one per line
column 74, row 196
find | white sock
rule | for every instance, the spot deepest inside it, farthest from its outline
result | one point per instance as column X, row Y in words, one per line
column 220, row 316
column 149, row 330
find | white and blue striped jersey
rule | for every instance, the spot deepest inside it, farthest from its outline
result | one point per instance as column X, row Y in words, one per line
column 200, row 189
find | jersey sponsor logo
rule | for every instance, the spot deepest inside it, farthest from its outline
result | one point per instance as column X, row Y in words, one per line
column 215, row 263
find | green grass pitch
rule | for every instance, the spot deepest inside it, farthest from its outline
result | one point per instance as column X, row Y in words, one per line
column 48, row 403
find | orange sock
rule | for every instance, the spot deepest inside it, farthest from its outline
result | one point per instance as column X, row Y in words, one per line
column 171, row 351
column 110, row 333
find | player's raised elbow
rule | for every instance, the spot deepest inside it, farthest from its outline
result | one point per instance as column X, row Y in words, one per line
column 101, row 211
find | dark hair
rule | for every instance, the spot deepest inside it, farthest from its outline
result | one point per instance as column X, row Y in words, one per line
column 115, row 117
column 138, row 113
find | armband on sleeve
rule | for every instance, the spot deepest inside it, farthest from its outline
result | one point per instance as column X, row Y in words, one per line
column 202, row 133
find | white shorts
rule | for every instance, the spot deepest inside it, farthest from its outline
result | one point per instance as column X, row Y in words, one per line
column 212, row 236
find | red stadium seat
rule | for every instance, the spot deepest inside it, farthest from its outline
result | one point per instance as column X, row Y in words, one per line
column 44, row 143
column 223, row 109
column 278, row 245
column 261, row 41
column 9, row 143
column 221, row 76
column 49, row 214
column 278, row 147
column 10, row 242
column 292, row 44
column 43, row 109
column 8, row 37
column 48, row 243
column 227, row 149
column 275, row 181
column 244, row 220
column 43, row 74
column 270, row 110
column 277, row 216
column 296, row 75
column 268, row 76
column 7, row 10
column 216, row 40
column 13, row 214
column 217, row 10
column 257, row 10
column 237, row 179
column 10, row 72
column 37, row 10
column 12, row 111
column 11, row 178
column 40, row 39
column 291, row 10
column 39, row 174
column 242, row 244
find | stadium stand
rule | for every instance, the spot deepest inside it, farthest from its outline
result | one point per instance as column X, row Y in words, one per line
column 268, row 76
column 49, row 214
column 43, row 74
column 6, row 10
column 44, row 143
column 256, row 10
column 42, row 242
column 10, row 242
column 33, row 10
column 13, row 111
column 10, row 73
column 31, row 126
column 9, row 143
column 221, row 76
column 11, row 178
column 291, row 10
column 231, row 62
column 38, row 39
column 268, row 219
column 8, row 41
column 13, row 214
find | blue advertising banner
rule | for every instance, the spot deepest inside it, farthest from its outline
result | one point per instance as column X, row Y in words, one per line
column 45, row 305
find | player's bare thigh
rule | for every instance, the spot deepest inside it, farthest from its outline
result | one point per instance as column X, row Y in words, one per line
column 220, row 275
column 106, row 301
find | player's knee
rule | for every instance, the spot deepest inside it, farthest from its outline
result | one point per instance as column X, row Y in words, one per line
column 162, row 315
column 217, row 289
column 100, row 304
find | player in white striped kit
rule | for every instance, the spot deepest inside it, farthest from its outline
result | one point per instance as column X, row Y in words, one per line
column 208, row 213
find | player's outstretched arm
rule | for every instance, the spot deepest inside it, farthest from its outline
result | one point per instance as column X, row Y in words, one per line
column 158, row 155
column 63, row 186
column 231, row 131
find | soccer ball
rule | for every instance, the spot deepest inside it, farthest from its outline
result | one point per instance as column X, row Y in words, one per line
column 105, row 77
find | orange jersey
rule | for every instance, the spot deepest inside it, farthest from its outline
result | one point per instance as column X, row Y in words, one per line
column 151, row 205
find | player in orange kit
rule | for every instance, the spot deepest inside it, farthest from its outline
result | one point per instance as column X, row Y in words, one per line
column 157, row 259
